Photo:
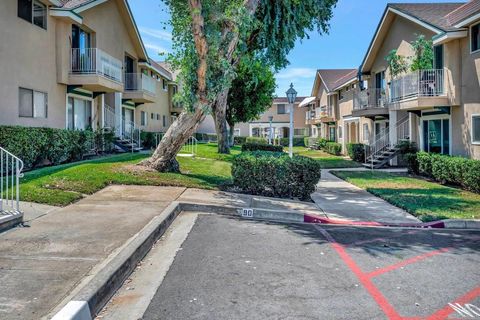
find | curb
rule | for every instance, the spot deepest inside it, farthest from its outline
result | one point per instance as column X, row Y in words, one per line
column 97, row 292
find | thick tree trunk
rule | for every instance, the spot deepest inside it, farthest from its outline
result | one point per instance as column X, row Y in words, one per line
column 163, row 159
column 231, row 135
column 219, row 112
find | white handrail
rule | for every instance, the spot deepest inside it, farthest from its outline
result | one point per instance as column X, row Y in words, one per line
column 109, row 117
column 369, row 98
column 421, row 83
column 131, row 133
column 10, row 173
column 190, row 147
column 95, row 61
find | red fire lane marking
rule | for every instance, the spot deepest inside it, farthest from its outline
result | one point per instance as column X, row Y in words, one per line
column 447, row 310
column 406, row 262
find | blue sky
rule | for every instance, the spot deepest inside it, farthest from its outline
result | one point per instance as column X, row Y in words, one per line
column 352, row 28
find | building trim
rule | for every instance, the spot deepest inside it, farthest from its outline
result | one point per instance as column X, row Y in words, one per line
column 448, row 36
column 68, row 14
column 468, row 21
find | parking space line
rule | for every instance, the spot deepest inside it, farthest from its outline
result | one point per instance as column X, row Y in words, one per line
column 406, row 262
column 447, row 310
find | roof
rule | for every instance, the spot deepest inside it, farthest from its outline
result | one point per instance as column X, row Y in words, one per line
column 285, row 100
column 463, row 12
column 334, row 78
column 433, row 14
column 72, row 4
column 157, row 66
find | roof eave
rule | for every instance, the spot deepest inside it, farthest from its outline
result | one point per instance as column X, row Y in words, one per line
column 466, row 22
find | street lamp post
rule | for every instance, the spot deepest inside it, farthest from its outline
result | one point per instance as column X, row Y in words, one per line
column 291, row 96
column 270, row 133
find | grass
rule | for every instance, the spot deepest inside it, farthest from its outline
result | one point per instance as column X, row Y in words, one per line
column 327, row 161
column 428, row 201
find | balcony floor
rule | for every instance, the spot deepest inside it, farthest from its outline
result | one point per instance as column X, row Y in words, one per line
column 95, row 82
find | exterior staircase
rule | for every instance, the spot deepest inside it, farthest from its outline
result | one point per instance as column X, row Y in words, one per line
column 10, row 173
column 130, row 139
column 384, row 148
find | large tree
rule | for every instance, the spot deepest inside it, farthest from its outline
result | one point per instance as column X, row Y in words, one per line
column 209, row 39
column 251, row 94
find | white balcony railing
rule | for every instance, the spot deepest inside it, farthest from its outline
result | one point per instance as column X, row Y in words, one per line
column 139, row 82
column 10, row 173
column 421, row 83
column 95, row 61
column 369, row 98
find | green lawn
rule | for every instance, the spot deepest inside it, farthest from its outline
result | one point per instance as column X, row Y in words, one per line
column 64, row 184
column 426, row 200
column 327, row 161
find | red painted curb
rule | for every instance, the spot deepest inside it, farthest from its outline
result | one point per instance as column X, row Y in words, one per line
column 310, row 218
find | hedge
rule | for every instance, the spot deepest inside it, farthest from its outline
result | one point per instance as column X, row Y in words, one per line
column 39, row 146
column 149, row 139
column 239, row 140
column 205, row 137
column 275, row 174
column 256, row 140
column 333, row 148
column 447, row 169
column 297, row 142
column 356, row 151
column 261, row 147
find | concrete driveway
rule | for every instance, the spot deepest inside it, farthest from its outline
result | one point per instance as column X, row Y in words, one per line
column 214, row 267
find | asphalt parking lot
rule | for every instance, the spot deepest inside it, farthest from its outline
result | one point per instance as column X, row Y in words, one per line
column 243, row 269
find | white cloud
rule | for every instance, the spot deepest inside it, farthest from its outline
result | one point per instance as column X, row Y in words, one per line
column 156, row 33
column 295, row 73
column 156, row 48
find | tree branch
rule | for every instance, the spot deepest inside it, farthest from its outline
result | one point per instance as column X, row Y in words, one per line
column 201, row 46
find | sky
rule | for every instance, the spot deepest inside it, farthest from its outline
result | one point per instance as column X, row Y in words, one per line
column 351, row 30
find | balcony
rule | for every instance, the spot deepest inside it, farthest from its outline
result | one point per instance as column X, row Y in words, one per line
column 419, row 90
column 95, row 70
column 369, row 103
column 140, row 88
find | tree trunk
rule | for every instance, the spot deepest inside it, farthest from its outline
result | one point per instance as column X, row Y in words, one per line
column 231, row 136
column 163, row 159
column 219, row 112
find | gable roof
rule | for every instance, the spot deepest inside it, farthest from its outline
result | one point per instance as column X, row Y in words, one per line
column 333, row 78
column 463, row 12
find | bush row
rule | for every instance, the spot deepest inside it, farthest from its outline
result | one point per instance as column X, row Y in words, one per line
column 315, row 143
column 239, row 140
column 446, row 169
column 39, row 146
column 249, row 146
column 150, row 139
column 356, row 151
column 333, row 148
column 275, row 174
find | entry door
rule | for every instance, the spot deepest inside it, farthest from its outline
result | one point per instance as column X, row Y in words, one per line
column 128, row 120
column 436, row 136
column 332, row 134
column 129, row 77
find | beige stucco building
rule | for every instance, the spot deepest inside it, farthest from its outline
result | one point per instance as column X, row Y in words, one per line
column 79, row 64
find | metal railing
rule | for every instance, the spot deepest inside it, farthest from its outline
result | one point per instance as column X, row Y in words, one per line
column 421, row 83
column 189, row 148
column 383, row 141
column 95, row 61
column 131, row 133
column 369, row 98
column 140, row 82
column 10, row 173
column 109, row 118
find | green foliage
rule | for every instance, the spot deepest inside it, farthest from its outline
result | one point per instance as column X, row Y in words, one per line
column 356, row 151
column 39, row 146
column 257, row 140
column 297, row 142
column 423, row 58
column 239, row 140
column 333, row 148
column 275, row 174
column 452, row 170
column 261, row 147
column 205, row 137
column 321, row 142
column 149, row 139
column 412, row 163
column 406, row 147
column 397, row 64
column 252, row 91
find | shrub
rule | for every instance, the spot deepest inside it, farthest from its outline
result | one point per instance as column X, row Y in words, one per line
column 333, row 148
column 297, row 142
column 321, row 143
column 275, row 174
column 412, row 163
column 239, row 140
column 260, row 147
column 407, row 147
column 257, row 140
column 356, row 151
column 453, row 170
column 37, row 146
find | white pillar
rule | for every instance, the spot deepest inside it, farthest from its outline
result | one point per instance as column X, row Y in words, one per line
column 393, row 132
column 250, row 130
column 118, row 113
column 290, row 142
column 101, row 104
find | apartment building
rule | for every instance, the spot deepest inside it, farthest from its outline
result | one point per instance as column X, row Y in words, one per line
column 439, row 108
column 279, row 117
column 79, row 64
column 329, row 109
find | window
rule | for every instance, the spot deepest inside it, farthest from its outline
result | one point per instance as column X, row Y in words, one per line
column 174, row 90
column 281, row 109
column 33, row 11
column 366, row 132
column 476, row 129
column 340, row 94
column 438, row 57
column 475, row 37
column 152, row 116
column 32, row 104
column 164, row 85
column 158, row 116
column 143, row 118
column 79, row 114
column 164, row 121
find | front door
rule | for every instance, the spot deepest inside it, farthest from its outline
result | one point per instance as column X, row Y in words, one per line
column 127, row 121
column 332, row 134
column 436, row 136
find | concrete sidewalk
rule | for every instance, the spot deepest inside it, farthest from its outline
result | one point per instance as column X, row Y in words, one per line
column 342, row 200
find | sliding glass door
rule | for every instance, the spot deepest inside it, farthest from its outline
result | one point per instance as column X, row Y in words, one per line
column 436, row 136
column 79, row 114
